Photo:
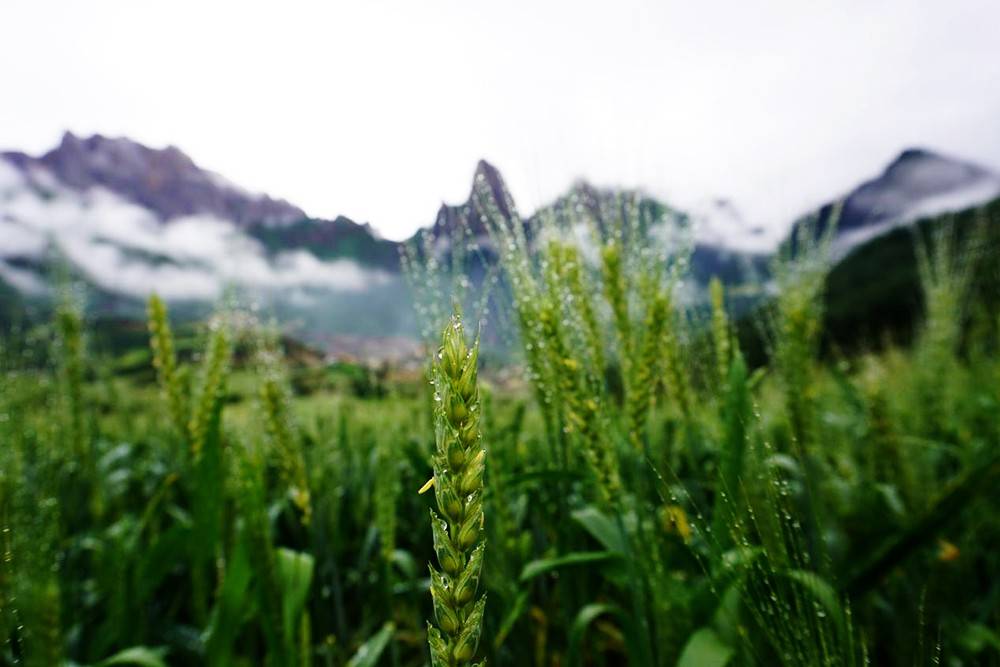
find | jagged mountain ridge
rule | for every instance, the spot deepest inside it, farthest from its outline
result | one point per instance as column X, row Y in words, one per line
column 131, row 219
column 733, row 259
column 164, row 181
column 450, row 218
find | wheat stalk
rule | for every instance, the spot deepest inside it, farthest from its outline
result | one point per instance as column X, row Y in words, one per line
column 459, row 463
column 161, row 341
column 284, row 437
column 213, row 379
column 720, row 330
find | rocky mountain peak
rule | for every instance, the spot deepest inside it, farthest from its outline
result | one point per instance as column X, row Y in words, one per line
column 912, row 184
column 166, row 180
column 926, row 171
column 450, row 217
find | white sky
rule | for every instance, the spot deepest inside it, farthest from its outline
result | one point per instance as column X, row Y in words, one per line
column 379, row 110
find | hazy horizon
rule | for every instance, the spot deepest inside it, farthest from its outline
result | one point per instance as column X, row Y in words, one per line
column 379, row 112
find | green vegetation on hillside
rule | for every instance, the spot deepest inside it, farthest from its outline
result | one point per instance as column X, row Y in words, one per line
column 875, row 291
column 330, row 239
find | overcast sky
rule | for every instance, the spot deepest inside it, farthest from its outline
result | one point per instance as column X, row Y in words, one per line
column 379, row 110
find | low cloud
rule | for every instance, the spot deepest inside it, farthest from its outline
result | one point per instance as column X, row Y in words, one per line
column 124, row 248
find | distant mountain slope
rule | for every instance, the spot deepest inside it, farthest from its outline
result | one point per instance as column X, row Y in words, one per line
column 11, row 305
column 165, row 181
column 340, row 238
column 919, row 183
column 713, row 252
column 873, row 295
column 875, row 292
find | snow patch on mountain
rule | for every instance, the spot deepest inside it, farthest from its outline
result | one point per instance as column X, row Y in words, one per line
column 718, row 223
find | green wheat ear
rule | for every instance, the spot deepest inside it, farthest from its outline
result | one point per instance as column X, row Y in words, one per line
column 213, row 378
column 459, row 462
column 720, row 330
column 278, row 422
column 616, row 291
column 386, row 495
column 161, row 341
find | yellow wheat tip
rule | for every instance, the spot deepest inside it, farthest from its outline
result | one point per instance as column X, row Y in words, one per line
column 675, row 521
column 947, row 552
column 428, row 485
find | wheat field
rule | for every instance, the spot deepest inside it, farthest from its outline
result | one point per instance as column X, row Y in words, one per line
column 626, row 488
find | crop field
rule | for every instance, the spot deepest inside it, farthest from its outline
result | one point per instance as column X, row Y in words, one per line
column 624, row 486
